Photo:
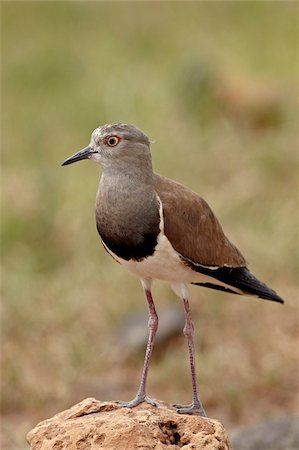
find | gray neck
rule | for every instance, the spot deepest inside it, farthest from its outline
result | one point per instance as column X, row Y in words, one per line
column 127, row 175
column 127, row 208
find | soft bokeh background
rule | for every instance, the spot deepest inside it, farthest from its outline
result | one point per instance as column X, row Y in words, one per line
column 215, row 85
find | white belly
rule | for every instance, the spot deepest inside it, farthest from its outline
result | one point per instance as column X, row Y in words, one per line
column 166, row 264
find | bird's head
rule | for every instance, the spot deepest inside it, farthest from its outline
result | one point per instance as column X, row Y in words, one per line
column 110, row 144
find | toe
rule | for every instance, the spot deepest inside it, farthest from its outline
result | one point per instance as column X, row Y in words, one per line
column 191, row 409
column 150, row 401
column 137, row 400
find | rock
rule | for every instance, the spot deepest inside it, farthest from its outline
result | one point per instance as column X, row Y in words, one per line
column 93, row 425
column 279, row 434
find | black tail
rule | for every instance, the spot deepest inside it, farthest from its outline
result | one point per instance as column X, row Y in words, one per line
column 240, row 278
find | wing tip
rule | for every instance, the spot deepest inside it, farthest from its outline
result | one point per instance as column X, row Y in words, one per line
column 272, row 296
column 241, row 279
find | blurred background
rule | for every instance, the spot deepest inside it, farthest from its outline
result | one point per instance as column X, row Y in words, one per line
column 214, row 84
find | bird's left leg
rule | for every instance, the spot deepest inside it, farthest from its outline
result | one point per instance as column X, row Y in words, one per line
column 153, row 326
column 195, row 407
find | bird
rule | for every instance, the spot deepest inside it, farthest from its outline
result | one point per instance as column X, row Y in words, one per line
column 159, row 229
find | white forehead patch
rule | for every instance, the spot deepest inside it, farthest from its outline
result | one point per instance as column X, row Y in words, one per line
column 102, row 131
column 96, row 134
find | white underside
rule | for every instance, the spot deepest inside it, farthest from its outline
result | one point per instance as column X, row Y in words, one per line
column 166, row 264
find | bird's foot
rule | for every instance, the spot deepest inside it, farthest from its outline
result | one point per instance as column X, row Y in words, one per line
column 137, row 400
column 194, row 408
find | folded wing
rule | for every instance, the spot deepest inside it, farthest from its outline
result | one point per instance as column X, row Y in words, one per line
column 195, row 233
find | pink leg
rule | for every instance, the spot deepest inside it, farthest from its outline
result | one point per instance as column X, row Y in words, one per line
column 153, row 326
column 196, row 406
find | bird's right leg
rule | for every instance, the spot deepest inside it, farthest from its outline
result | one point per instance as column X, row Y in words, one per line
column 195, row 407
column 153, row 326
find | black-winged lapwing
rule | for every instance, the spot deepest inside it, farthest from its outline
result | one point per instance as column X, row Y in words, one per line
column 160, row 229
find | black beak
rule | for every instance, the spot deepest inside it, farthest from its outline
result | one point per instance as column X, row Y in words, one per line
column 82, row 154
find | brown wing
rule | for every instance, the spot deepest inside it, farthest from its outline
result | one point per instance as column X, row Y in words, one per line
column 193, row 229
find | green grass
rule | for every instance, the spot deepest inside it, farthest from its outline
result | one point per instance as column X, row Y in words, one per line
column 215, row 85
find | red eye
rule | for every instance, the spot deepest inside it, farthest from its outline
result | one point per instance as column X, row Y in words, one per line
column 112, row 141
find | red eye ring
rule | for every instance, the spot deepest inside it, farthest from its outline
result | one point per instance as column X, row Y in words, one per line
column 112, row 140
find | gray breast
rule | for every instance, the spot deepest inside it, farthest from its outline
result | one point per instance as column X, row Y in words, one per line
column 129, row 224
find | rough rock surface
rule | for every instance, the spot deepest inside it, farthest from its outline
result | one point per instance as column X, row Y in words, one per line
column 95, row 425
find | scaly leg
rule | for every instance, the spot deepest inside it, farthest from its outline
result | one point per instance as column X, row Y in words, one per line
column 153, row 326
column 196, row 406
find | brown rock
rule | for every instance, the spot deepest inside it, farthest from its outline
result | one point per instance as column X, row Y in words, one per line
column 95, row 425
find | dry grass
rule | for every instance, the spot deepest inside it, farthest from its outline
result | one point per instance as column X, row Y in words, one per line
column 215, row 86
